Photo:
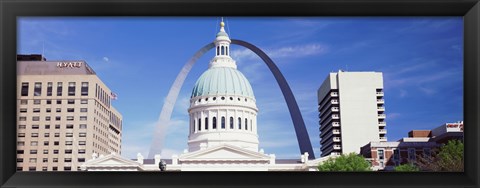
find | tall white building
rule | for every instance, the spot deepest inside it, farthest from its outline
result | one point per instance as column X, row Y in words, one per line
column 64, row 115
column 351, row 111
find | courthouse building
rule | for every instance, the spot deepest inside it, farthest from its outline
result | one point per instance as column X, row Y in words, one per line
column 64, row 116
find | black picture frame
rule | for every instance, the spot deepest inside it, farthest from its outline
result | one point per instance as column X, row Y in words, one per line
column 10, row 10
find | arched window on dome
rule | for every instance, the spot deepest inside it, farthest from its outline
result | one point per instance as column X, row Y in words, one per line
column 199, row 124
column 246, row 124
column 214, row 122
column 226, row 50
column 251, row 125
column 223, row 50
column 223, row 122
column 192, row 129
column 218, row 50
column 206, row 123
column 239, row 123
column 231, row 122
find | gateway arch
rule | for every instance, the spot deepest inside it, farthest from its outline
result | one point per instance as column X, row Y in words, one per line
column 163, row 122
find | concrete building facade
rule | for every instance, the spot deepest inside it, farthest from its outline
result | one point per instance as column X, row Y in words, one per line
column 351, row 111
column 64, row 116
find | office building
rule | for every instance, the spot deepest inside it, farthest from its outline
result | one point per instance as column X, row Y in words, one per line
column 351, row 111
column 64, row 116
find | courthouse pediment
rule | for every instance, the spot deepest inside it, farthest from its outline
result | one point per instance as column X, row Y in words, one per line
column 224, row 152
column 111, row 160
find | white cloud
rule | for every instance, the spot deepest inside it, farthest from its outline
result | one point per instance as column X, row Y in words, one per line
column 105, row 59
column 283, row 52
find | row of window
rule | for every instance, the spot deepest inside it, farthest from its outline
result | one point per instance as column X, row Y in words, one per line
column 49, row 101
column 223, row 98
column 37, row 90
column 55, row 143
column 34, row 135
column 32, row 168
column 48, row 118
column 222, row 50
column 45, row 160
column 68, row 126
column 198, row 124
column 396, row 154
column 56, row 151
column 38, row 110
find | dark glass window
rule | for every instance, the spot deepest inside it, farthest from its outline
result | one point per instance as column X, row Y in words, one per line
column 214, row 122
column 381, row 154
column 231, row 122
column 206, row 123
column 70, row 110
column 84, row 89
column 199, row 124
column 59, row 88
column 24, row 89
column 239, row 123
column 246, row 124
column 49, row 88
column 37, row 89
column 71, row 101
column 71, row 88
column 223, row 122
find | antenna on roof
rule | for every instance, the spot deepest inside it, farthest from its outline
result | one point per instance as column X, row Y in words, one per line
column 43, row 50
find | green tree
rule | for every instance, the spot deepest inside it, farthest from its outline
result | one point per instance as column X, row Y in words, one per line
column 448, row 158
column 409, row 167
column 350, row 162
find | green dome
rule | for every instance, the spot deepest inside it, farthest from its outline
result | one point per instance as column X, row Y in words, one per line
column 222, row 81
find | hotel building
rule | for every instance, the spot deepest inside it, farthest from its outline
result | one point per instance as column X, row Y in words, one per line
column 64, row 115
column 351, row 111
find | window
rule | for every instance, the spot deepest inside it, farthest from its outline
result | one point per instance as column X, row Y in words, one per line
column 48, row 109
column 83, row 126
column 246, row 124
column 32, row 160
column 34, row 134
column 49, row 101
column 58, row 110
column 81, row 159
column 37, row 89
column 69, row 118
column 83, row 101
column 23, row 101
column 411, row 154
column 44, row 168
column 84, row 90
column 56, row 143
column 71, row 88
column 59, row 88
column 23, row 110
column 83, row 109
column 21, row 143
column 36, row 110
column 36, row 101
column 47, row 135
column 81, row 151
column 36, row 118
column 20, row 151
column 22, row 126
column 199, row 124
column 239, row 123
column 55, row 168
column 20, row 160
column 71, row 101
column 32, row 168
column 21, row 134
column 396, row 154
column 214, row 122
column 57, row 126
column 69, row 126
column 55, row 151
column 34, row 143
column 68, row 151
column 231, row 122
column 59, row 101
column 82, row 134
column 57, row 134
column 68, row 143
column 45, row 151
column 68, row 168
column 19, row 168
column 48, row 118
column 34, row 151
column 381, row 154
column 206, row 123
column 45, row 143
column 69, row 134
column 55, row 160
column 35, row 126
column 68, row 160
column 24, row 89
column 47, row 126
column 45, row 160
column 49, row 88
column 223, row 122
column 70, row 109
column 82, row 143
column 83, row 118
column 57, row 118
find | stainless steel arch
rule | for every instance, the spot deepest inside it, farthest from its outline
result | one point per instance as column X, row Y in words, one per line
column 299, row 125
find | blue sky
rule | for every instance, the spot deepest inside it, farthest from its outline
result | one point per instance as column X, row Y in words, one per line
column 139, row 58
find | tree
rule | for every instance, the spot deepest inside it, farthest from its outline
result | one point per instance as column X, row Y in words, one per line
column 409, row 167
column 449, row 158
column 350, row 162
